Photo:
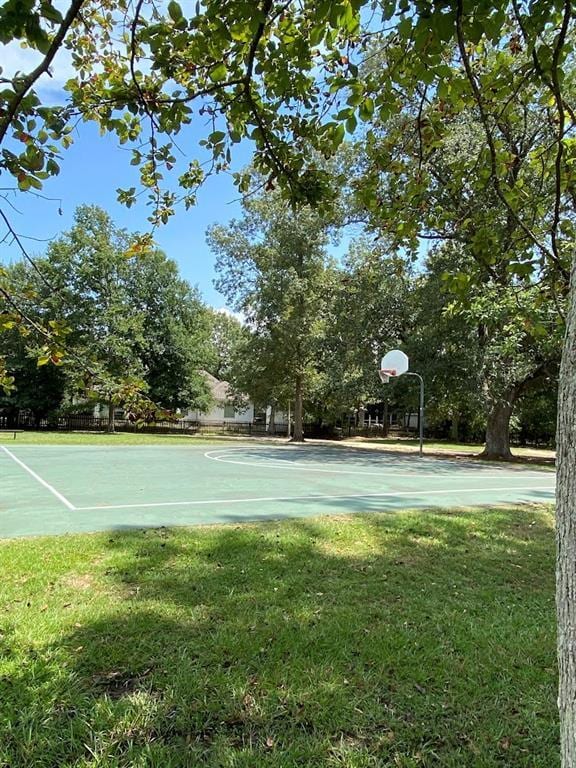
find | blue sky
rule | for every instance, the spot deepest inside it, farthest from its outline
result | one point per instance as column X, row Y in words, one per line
column 95, row 166
column 91, row 171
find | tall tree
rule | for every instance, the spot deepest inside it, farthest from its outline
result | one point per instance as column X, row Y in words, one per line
column 258, row 369
column 485, row 341
column 176, row 332
column 370, row 313
column 439, row 181
column 272, row 266
column 88, row 274
column 127, row 318
column 227, row 336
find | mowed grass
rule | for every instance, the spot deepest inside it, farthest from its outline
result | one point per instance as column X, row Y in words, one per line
column 105, row 438
column 414, row 639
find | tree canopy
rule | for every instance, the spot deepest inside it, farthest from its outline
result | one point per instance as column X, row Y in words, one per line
column 132, row 325
column 274, row 268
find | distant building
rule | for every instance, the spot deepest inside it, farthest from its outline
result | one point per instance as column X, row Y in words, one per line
column 223, row 409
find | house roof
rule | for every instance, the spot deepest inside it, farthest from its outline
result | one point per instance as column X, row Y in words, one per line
column 220, row 390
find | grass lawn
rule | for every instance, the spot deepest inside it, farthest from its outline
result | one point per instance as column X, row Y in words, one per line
column 408, row 640
column 104, row 438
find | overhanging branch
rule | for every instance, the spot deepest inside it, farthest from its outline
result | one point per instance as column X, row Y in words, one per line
column 27, row 82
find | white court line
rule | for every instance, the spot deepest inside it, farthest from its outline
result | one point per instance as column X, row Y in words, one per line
column 313, row 497
column 37, row 477
column 301, row 467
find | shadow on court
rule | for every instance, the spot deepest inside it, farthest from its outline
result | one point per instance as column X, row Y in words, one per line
column 366, row 504
column 345, row 456
column 398, row 641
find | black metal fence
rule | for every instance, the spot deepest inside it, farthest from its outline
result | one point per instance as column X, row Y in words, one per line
column 84, row 423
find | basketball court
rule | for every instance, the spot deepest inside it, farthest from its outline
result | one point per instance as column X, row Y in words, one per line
column 65, row 489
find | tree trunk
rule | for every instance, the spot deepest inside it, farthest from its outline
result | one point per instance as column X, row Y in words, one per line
column 298, row 435
column 272, row 419
column 566, row 538
column 498, row 430
column 110, row 417
column 361, row 417
column 455, row 427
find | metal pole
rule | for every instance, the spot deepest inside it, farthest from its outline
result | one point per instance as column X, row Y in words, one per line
column 421, row 419
column 421, row 411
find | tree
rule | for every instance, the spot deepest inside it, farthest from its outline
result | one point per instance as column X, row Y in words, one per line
column 258, row 369
column 451, row 203
column 176, row 332
column 37, row 389
column 444, row 347
column 272, row 267
column 126, row 318
column 486, row 343
column 88, row 273
column 370, row 313
column 228, row 335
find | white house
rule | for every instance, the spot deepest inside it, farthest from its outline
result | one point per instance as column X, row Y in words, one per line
column 223, row 410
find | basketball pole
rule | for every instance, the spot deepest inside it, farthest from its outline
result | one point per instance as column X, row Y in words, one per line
column 421, row 411
column 395, row 363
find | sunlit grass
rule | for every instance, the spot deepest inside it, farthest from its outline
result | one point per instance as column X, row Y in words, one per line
column 414, row 639
column 105, row 438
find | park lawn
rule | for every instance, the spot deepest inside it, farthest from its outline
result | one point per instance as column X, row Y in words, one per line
column 105, row 438
column 413, row 639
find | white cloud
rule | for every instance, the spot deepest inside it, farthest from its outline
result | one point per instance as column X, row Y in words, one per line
column 17, row 59
column 230, row 313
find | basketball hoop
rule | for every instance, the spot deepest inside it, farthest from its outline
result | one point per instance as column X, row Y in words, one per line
column 395, row 363
column 386, row 374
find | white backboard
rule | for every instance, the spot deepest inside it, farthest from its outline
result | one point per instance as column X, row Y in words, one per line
column 396, row 362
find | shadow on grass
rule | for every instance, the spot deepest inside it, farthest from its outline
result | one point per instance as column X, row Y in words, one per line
column 417, row 640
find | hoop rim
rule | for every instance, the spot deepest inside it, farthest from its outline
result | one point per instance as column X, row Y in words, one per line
column 391, row 372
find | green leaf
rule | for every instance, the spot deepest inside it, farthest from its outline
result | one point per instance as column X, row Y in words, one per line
column 355, row 99
column 218, row 73
column 366, row 109
column 338, row 135
column 216, row 136
column 50, row 13
column 317, row 35
column 444, row 24
column 175, row 11
column 405, row 28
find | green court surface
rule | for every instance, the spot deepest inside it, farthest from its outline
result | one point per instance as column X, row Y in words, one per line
column 59, row 489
